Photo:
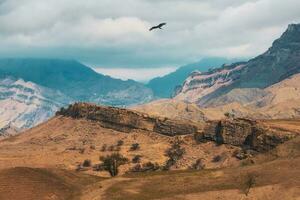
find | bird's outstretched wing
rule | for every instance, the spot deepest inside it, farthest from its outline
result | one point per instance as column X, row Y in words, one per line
column 162, row 24
column 152, row 28
column 158, row 26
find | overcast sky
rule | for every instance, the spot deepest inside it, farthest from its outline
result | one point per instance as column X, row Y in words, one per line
column 114, row 33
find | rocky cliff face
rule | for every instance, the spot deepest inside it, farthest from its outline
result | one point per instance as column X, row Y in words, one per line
column 25, row 104
column 126, row 120
column 245, row 133
column 281, row 61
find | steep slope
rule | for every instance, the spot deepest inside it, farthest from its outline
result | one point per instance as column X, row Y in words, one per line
column 25, row 104
column 279, row 62
column 75, row 80
column 163, row 87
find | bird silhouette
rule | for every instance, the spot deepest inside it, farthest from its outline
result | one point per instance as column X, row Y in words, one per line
column 159, row 26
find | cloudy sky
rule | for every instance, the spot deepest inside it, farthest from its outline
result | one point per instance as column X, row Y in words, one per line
column 113, row 35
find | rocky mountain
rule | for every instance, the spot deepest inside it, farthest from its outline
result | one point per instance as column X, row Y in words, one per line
column 163, row 87
column 280, row 62
column 32, row 90
column 25, row 104
column 75, row 80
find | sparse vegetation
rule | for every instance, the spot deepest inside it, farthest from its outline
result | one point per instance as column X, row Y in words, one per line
column 174, row 153
column 104, row 148
column 81, row 150
column 120, row 143
column 111, row 148
column 136, row 159
column 249, row 183
column 149, row 166
column 217, row 158
column 87, row 163
column 112, row 162
column 199, row 165
column 135, row 147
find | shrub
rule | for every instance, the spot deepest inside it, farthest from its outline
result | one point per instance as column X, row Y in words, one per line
column 149, row 166
column 217, row 158
column 87, row 163
column 111, row 148
column 120, row 143
column 104, row 147
column 198, row 165
column 135, row 147
column 136, row 159
column 81, row 150
column 112, row 162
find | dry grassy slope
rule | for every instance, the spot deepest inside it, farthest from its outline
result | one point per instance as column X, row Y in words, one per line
column 57, row 143
column 172, row 109
column 60, row 142
column 42, row 184
column 275, row 174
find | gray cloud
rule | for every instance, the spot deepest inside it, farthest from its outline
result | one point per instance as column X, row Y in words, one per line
column 114, row 33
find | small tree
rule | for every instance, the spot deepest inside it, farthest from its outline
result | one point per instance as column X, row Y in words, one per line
column 112, row 162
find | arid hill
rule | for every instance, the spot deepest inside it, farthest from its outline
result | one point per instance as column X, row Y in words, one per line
column 59, row 159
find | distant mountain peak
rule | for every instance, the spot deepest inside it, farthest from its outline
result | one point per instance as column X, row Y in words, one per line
column 290, row 39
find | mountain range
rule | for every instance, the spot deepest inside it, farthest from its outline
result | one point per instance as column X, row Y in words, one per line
column 281, row 61
column 32, row 90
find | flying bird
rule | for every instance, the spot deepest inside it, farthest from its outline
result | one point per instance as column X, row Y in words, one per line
column 159, row 26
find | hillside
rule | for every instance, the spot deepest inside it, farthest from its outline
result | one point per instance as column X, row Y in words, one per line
column 49, row 158
column 281, row 61
column 163, row 87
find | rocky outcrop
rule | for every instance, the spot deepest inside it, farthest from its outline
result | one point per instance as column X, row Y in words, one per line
column 245, row 133
column 127, row 120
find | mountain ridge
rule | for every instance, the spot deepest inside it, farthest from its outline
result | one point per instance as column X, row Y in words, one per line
column 280, row 61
